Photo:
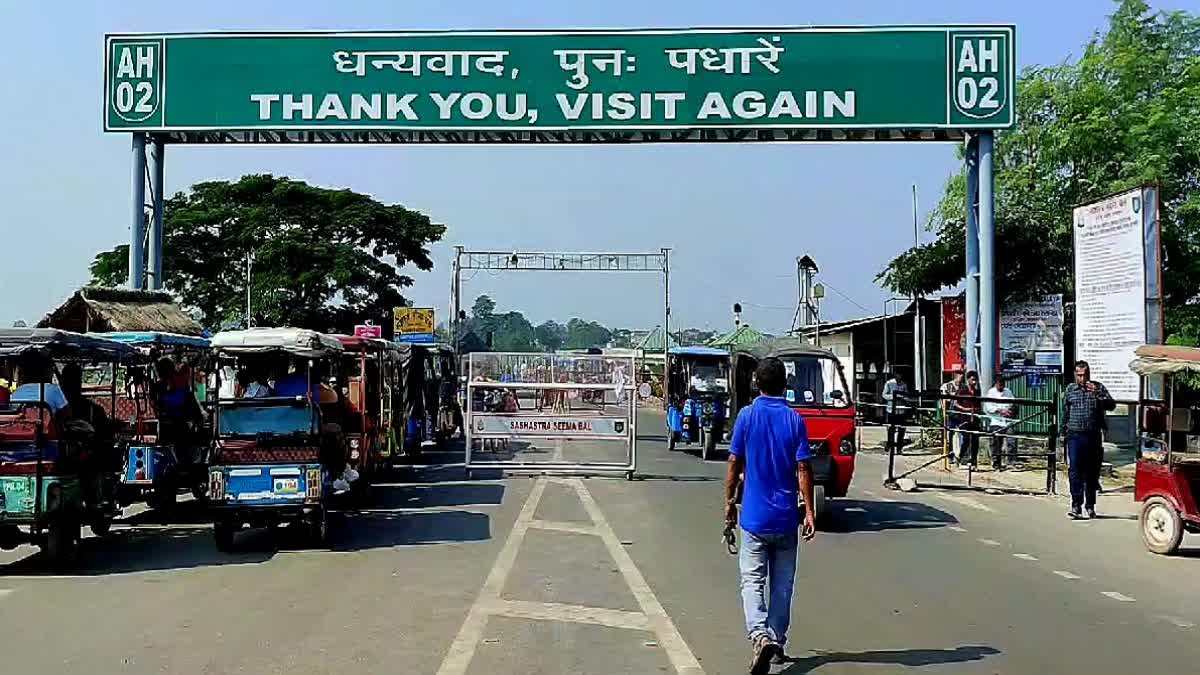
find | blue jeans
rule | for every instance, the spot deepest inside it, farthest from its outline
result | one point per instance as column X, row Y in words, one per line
column 768, row 559
column 1085, row 453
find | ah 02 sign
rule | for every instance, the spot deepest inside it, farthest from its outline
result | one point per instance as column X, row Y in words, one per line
column 134, row 72
column 983, row 76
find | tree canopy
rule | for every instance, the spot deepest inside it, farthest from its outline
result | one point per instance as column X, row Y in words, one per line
column 1126, row 113
column 321, row 258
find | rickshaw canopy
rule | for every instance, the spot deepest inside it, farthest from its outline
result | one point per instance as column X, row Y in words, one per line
column 1165, row 360
column 779, row 347
column 61, row 344
column 155, row 338
column 698, row 351
column 296, row 341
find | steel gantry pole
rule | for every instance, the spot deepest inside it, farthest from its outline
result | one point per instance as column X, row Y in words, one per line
column 666, row 263
column 137, row 226
column 456, row 302
column 972, row 239
column 154, row 255
column 987, row 262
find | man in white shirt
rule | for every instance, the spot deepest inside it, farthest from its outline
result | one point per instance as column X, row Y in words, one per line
column 1000, row 416
column 895, row 396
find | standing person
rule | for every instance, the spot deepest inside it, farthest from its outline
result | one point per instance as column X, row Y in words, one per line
column 895, row 396
column 968, row 420
column 951, row 421
column 770, row 448
column 999, row 418
column 1084, row 405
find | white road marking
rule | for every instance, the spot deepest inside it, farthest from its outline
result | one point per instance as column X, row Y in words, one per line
column 1118, row 596
column 1066, row 575
column 458, row 657
column 854, row 509
column 1176, row 621
column 554, row 611
column 989, row 542
column 560, row 526
column 5, row 591
column 677, row 650
column 558, row 451
column 966, row 501
column 1025, row 556
column 885, row 499
column 956, row 528
column 868, row 493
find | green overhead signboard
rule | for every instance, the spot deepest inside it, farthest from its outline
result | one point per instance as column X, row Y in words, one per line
column 903, row 77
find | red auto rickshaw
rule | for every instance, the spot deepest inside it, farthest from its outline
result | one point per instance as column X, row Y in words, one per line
column 1168, row 466
column 817, row 390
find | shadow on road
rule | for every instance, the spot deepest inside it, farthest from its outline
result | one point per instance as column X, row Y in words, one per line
column 847, row 516
column 382, row 529
column 434, row 495
column 913, row 658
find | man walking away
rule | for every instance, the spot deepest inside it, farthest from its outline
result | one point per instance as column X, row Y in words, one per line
column 1000, row 417
column 895, row 395
column 770, row 447
column 1084, row 405
column 968, row 420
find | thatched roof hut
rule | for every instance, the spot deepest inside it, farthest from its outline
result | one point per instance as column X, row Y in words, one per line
column 93, row 309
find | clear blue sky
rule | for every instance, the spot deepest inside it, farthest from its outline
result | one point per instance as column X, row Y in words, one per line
column 737, row 216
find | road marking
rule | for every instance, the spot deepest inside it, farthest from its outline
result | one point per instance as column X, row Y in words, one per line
column 1118, row 596
column 868, row 493
column 558, row 451
column 966, row 501
column 989, row 542
column 885, row 499
column 854, row 509
column 957, row 528
column 555, row 611
column 1176, row 621
column 677, row 650
column 1066, row 575
column 458, row 657
column 1025, row 556
column 559, row 526
column 5, row 591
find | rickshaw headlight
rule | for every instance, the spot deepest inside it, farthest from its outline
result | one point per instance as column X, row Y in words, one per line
column 709, row 408
column 353, row 443
column 846, row 447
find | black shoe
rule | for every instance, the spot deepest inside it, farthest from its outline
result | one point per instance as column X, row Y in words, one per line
column 1075, row 513
column 1091, row 513
column 764, row 651
column 781, row 658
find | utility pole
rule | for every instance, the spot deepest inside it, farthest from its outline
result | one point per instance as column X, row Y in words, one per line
column 249, row 264
column 806, row 270
column 918, row 338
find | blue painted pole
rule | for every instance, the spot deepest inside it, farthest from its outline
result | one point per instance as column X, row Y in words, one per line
column 137, row 227
column 154, row 252
column 972, row 237
column 987, row 262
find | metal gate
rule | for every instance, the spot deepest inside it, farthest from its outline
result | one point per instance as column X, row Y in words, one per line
column 551, row 413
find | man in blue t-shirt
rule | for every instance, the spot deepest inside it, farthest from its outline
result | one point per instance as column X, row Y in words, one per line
column 770, row 447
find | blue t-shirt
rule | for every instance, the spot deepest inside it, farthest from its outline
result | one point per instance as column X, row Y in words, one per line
column 772, row 440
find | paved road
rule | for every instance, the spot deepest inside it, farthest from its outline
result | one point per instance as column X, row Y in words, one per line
column 523, row 575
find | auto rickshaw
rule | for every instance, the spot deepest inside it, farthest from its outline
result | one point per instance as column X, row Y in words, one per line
column 1167, row 478
column 699, row 405
column 449, row 411
column 816, row 390
column 422, row 392
column 372, row 372
column 279, row 448
column 58, row 460
column 167, row 433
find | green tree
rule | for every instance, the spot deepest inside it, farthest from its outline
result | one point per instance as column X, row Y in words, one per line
column 586, row 334
column 323, row 259
column 1126, row 113
column 483, row 308
column 550, row 335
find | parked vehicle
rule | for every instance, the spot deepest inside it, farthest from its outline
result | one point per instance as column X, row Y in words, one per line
column 167, row 433
column 817, row 391
column 699, row 405
column 279, row 449
column 58, row 459
column 372, row 375
column 1167, row 478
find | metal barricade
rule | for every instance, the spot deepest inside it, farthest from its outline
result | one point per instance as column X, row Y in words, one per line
column 551, row 413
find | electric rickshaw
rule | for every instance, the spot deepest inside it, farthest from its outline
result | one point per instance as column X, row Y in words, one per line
column 279, row 449
column 166, row 433
column 1167, row 478
column 58, row 458
column 373, row 380
column 699, row 389
column 816, row 389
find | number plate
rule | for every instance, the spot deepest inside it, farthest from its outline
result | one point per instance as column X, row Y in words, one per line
column 287, row 486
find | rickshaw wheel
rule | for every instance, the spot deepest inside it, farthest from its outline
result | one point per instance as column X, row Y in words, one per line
column 710, row 443
column 672, row 439
column 1162, row 526
column 62, row 543
column 101, row 526
column 318, row 526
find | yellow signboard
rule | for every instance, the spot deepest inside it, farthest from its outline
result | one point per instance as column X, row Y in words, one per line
column 413, row 321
